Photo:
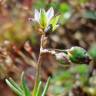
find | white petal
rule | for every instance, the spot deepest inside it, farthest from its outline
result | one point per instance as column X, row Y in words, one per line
column 50, row 14
column 37, row 15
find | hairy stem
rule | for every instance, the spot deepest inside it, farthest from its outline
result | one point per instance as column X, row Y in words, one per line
column 38, row 64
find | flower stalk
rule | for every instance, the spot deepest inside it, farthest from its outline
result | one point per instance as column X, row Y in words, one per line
column 76, row 55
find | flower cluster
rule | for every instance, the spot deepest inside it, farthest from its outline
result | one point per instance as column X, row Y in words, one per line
column 45, row 19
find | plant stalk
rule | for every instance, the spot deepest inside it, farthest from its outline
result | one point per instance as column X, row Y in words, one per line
column 38, row 66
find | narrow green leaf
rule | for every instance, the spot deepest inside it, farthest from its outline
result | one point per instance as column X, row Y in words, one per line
column 15, row 84
column 24, row 87
column 38, row 89
column 13, row 88
column 46, row 87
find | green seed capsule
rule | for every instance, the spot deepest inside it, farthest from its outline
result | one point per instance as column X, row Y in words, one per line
column 78, row 55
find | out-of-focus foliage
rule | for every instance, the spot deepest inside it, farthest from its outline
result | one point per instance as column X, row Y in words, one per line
column 92, row 51
column 90, row 15
column 67, row 79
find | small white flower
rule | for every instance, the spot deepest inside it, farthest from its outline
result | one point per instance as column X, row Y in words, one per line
column 46, row 18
